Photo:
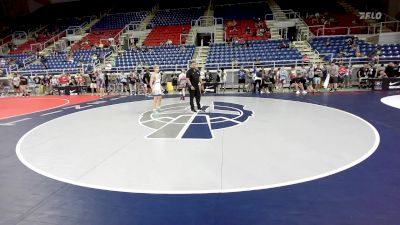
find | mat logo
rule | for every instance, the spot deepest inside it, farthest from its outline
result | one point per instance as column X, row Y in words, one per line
column 176, row 121
column 394, row 85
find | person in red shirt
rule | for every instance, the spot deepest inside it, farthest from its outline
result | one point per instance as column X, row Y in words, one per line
column 306, row 59
column 80, row 80
column 63, row 80
column 343, row 76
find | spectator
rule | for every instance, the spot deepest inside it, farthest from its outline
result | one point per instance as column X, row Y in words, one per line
column 333, row 71
column 257, row 77
column 235, row 63
column 260, row 32
column 350, row 41
column 297, row 81
column 359, row 54
column 63, row 80
column 182, row 84
column 234, row 23
column 37, row 82
column 382, row 74
column 374, row 55
column 2, row 62
column 390, row 70
column 223, row 76
column 234, row 30
column 16, row 80
column 318, row 74
column 23, row 85
column 362, row 75
column 182, row 49
column 260, row 23
column 265, row 82
column 396, row 69
column 343, row 75
column 72, row 81
column 248, row 31
column 328, row 42
column 281, row 77
column 341, row 53
column 283, row 45
column 241, row 79
column 306, row 59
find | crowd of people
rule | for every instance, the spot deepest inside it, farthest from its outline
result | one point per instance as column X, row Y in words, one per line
column 301, row 80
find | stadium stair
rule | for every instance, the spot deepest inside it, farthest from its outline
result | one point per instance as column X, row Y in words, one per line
column 200, row 55
column 148, row 18
column 305, row 48
column 277, row 11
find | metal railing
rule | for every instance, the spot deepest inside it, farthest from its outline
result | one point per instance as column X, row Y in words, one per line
column 20, row 35
column 8, row 70
column 204, row 21
column 36, row 30
column 366, row 60
column 49, row 41
column 388, row 22
column 48, row 71
column 240, row 3
column 185, row 36
column 128, row 13
column 394, row 26
column 74, row 30
column 132, row 26
column 58, row 71
column 269, row 16
column 29, row 60
column 252, row 64
column 290, row 14
column 165, row 68
column 6, row 39
column 323, row 30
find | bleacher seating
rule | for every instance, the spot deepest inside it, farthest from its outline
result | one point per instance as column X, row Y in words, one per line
column 59, row 61
column 389, row 51
column 242, row 11
column 311, row 7
column 62, row 24
column 338, row 26
column 165, row 56
column 130, row 6
column 27, row 45
column 176, row 16
column 118, row 21
column 163, row 33
column 20, row 58
column 182, row 4
column 239, row 31
column 94, row 38
column 257, row 50
column 54, row 28
column 340, row 17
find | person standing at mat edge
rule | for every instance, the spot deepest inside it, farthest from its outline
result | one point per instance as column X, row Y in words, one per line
column 193, row 81
column 155, row 83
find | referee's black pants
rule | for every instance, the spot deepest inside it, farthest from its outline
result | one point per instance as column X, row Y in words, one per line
column 194, row 94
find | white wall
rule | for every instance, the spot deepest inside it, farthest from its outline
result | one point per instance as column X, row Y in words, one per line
column 389, row 38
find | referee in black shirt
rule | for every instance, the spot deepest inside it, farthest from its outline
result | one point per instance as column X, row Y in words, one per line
column 193, row 80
